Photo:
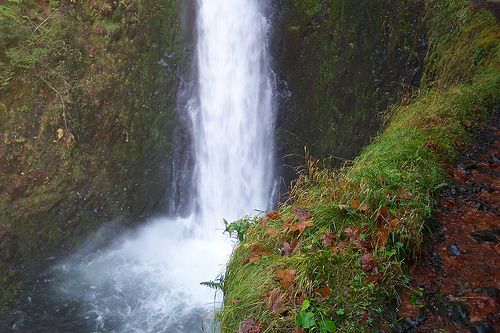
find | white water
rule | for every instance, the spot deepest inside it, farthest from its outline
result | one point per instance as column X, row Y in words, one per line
column 150, row 281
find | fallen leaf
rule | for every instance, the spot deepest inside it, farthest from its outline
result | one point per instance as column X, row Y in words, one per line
column 301, row 226
column 355, row 204
column 291, row 248
column 276, row 302
column 287, row 277
column 353, row 232
column 325, row 291
column 302, row 214
column 328, row 239
column 273, row 215
column 251, row 326
column 382, row 215
column 367, row 262
column 367, row 244
column 274, row 232
column 381, row 237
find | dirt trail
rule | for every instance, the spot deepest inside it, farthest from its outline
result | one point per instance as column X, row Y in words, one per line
column 457, row 284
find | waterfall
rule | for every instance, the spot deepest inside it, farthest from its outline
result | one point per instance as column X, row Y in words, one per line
column 149, row 280
column 234, row 121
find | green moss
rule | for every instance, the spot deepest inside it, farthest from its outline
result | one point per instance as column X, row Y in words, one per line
column 87, row 111
column 345, row 65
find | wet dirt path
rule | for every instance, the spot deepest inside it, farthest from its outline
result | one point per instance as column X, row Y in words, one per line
column 456, row 286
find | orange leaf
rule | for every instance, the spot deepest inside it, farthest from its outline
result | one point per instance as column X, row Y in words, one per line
column 354, row 204
column 273, row 215
column 301, row 226
column 287, row 277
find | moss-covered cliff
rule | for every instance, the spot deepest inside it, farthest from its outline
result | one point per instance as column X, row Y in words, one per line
column 346, row 62
column 87, row 118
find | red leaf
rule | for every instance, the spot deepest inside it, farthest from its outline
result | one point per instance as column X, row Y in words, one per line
column 291, row 248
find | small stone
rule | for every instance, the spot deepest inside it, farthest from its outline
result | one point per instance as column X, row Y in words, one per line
column 454, row 249
column 484, row 236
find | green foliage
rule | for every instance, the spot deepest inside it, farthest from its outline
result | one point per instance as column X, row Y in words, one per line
column 241, row 226
column 306, row 318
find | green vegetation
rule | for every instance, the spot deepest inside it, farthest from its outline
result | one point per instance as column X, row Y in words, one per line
column 87, row 98
column 334, row 255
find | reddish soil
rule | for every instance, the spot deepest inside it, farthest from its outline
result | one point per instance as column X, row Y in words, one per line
column 456, row 286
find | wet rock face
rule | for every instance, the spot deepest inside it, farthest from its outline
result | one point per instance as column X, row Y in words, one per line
column 459, row 278
column 344, row 63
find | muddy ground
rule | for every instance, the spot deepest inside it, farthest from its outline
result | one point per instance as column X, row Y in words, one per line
column 456, row 285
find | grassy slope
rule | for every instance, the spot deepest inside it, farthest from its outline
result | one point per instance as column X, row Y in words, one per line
column 332, row 257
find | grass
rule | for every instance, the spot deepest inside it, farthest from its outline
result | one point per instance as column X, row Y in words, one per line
column 333, row 257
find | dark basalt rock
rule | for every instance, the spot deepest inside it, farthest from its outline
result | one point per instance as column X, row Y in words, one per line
column 485, row 236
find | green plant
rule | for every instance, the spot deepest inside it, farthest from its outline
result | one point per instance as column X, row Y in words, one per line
column 313, row 319
column 241, row 226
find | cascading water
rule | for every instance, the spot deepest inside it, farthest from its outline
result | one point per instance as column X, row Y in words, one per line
column 234, row 122
column 149, row 281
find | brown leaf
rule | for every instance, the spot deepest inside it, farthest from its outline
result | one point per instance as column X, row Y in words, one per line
column 273, row 215
column 355, row 204
column 325, row 291
column 301, row 226
column 287, row 277
column 367, row 262
column 273, row 232
column 291, row 248
column 251, row 326
column 367, row 244
column 353, row 232
column 302, row 214
column 382, row 215
column 381, row 237
column 328, row 239
column 393, row 225
column 276, row 302
column 257, row 253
